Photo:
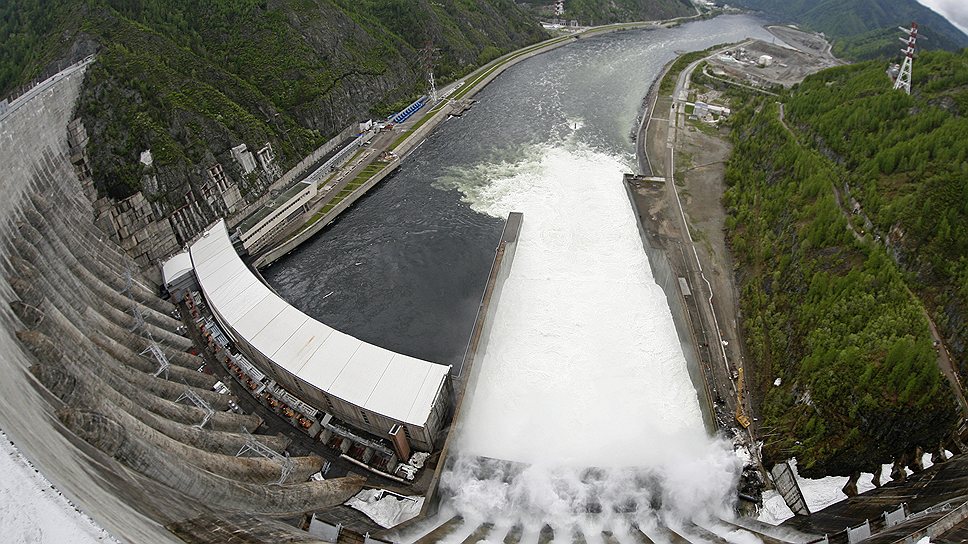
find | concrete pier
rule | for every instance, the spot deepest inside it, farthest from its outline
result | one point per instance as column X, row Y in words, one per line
column 466, row 375
column 667, row 258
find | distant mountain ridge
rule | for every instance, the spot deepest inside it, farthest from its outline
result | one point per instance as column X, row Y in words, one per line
column 864, row 29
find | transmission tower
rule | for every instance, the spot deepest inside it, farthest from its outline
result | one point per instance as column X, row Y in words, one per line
column 128, row 281
column 139, row 318
column 155, row 350
column 206, row 408
column 903, row 80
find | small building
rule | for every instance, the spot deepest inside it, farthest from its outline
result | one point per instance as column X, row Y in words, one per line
column 266, row 156
column 701, row 109
column 178, row 275
column 276, row 215
column 765, row 60
column 244, row 157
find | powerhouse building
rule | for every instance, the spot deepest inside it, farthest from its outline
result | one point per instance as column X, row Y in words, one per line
column 366, row 386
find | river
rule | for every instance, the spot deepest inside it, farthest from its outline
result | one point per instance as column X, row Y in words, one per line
column 406, row 266
column 584, row 384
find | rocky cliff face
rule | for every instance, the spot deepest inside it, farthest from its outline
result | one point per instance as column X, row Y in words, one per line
column 227, row 95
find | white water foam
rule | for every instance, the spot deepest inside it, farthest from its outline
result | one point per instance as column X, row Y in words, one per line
column 583, row 366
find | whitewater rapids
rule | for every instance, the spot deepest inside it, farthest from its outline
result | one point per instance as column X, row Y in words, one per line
column 584, row 384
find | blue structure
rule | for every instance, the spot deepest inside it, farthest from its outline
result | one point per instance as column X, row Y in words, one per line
column 409, row 110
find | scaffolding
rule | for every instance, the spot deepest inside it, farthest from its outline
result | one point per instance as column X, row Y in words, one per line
column 155, row 350
column 193, row 397
column 254, row 446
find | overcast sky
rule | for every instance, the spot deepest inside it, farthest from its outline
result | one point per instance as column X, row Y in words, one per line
column 955, row 10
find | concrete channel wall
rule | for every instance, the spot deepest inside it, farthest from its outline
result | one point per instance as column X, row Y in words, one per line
column 667, row 279
column 466, row 381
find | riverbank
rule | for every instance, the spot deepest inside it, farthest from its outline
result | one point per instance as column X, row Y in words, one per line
column 411, row 137
column 668, row 238
column 375, row 166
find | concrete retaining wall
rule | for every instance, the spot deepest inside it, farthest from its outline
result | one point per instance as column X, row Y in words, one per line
column 669, row 282
column 470, row 369
column 296, row 241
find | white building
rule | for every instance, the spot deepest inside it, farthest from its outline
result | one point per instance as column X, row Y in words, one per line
column 365, row 386
column 244, row 157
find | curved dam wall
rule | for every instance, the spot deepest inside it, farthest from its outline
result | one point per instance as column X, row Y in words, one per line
column 370, row 387
column 33, row 150
column 80, row 398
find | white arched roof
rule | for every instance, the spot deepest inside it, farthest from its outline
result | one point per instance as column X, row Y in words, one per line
column 398, row 386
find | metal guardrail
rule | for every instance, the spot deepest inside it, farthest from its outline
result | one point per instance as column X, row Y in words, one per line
column 27, row 92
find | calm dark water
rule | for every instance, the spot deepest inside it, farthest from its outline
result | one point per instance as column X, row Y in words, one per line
column 405, row 267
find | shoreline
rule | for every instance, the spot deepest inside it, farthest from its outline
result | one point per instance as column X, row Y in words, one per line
column 408, row 142
column 414, row 136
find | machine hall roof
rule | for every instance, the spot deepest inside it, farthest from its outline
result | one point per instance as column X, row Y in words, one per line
column 398, row 386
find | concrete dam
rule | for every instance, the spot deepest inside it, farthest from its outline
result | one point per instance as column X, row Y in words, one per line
column 102, row 391
column 95, row 415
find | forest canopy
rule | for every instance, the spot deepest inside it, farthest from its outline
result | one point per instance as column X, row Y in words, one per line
column 835, row 304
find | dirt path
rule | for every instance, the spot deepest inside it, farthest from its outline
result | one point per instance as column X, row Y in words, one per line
column 703, row 220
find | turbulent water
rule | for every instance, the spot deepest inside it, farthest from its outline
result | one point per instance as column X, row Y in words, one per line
column 583, row 367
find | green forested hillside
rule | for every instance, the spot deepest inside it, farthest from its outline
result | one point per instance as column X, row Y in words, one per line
column 864, row 29
column 825, row 294
column 614, row 11
column 190, row 79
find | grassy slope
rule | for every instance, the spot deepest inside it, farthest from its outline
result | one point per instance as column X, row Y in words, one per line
column 190, row 79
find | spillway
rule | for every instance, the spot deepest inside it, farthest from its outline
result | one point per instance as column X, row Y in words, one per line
column 583, row 365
